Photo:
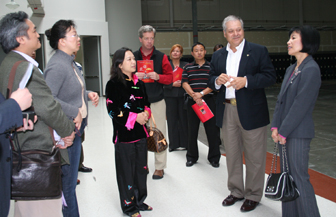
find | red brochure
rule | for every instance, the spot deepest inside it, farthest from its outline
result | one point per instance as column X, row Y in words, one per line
column 145, row 66
column 203, row 112
column 177, row 74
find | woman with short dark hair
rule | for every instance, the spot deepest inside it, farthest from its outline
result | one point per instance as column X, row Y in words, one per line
column 292, row 124
column 217, row 47
column 128, row 107
column 67, row 85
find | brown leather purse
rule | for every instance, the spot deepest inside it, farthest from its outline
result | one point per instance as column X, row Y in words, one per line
column 156, row 142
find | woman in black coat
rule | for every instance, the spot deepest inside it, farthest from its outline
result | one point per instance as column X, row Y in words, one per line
column 174, row 98
column 128, row 106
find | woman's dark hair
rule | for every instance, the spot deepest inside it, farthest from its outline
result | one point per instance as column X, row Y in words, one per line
column 217, row 46
column 58, row 31
column 310, row 38
column 118, row 58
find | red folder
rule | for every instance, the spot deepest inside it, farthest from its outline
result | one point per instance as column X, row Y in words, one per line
column 203, row 112
column 145, row 66
column 177, row 74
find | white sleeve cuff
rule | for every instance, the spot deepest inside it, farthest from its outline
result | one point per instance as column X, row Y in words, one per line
column 216, row 85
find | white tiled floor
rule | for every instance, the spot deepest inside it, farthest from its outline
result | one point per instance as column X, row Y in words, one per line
column 183, row 192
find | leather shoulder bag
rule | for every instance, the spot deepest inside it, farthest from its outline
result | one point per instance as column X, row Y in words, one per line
column 156, row 141
column 281, row 186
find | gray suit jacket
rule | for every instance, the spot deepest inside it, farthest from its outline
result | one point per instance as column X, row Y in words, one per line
column 64, row 84
column 296, row 100
column 48, row 111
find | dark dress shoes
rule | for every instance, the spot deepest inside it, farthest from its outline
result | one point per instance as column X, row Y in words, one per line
column 85, row 169
column 214, row 164
column 248, row 205
column 158, row 174
column 172, row 149
column 190, row 163
column 230, row 200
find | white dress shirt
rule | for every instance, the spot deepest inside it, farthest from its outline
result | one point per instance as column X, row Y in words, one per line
column 232, row 67
column 28, row 58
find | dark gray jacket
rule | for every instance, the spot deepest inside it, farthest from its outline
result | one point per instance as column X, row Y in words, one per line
column 296, row 100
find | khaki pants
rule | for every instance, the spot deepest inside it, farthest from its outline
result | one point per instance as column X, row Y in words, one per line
column 159, row 111
column 251, row 143
column 38, row 208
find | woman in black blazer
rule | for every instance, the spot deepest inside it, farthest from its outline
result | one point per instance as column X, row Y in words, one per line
column 128, row 107
column 174, row 98
column 292, row 124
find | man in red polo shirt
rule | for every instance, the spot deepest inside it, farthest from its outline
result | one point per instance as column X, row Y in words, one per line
column 162, row 74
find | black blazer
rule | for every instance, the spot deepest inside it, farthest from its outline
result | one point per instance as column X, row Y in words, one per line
column 293, row 114
column 256, row 65
column 169, row 90
column 10, row 118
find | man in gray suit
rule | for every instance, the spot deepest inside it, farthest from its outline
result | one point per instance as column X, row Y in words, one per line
column 19, row 39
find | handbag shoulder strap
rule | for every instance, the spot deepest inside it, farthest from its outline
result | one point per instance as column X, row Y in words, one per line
column 11, row 78
column 285, row 167
column 10, row 87
column 274, row 159
column 153, row 120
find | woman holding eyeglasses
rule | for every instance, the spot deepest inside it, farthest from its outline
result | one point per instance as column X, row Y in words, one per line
column 67, row 85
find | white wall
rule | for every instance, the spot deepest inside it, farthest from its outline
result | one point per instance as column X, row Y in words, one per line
column 89, row 16
column 124, row 20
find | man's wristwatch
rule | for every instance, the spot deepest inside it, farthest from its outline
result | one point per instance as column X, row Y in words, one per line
column 202, row 93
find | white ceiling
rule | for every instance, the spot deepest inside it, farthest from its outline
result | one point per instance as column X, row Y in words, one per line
column 37, row 7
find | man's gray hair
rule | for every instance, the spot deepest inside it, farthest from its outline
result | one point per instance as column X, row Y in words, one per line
column 12, row 25
column 146, row 28
column 232, row 18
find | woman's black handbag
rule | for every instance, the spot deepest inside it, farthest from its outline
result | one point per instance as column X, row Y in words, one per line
column 281, row 186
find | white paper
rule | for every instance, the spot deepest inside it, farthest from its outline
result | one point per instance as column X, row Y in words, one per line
column 26, row 76
column 58, row 139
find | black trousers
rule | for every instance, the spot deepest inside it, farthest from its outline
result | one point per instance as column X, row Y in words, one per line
column 211, row 130
column 177, row 122
column 131, row 168
column 81, row 159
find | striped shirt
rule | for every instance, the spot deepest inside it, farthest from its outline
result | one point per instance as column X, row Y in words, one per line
column 197, row 76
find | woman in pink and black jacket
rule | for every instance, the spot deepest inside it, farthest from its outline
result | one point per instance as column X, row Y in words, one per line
column 128, row 106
